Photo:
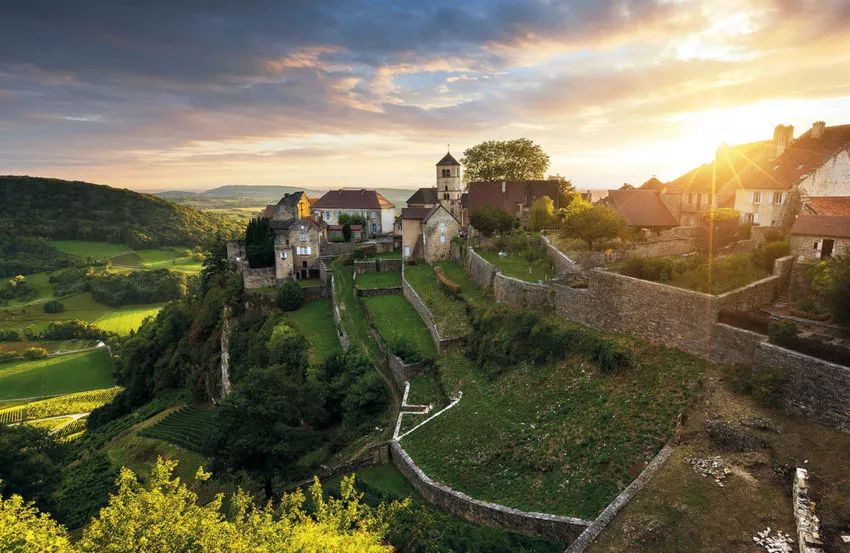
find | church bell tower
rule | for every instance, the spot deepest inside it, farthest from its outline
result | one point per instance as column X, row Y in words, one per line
column 450, row 186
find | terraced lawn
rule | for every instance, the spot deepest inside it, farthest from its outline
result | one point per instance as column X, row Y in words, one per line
column 562, row 438
column 449, row 312
column 315, row 321
column 374, row 280
column 517, row 266
column 62, row 374
column 353, row 312
column 394, row 318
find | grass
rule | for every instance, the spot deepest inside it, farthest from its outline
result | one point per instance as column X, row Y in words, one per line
column 374, row 280
column 52, row 346
column 41, row 284
column 386, row 255
column 189, row 427
column 517, row 266
column 85, row 249
column 315, row 321
column 560, row 439
column 310, row 282
column 123, row 320
column 122, row 255
column 353, row 312
column 449, row 313
column 62, row 374
column 394, row 318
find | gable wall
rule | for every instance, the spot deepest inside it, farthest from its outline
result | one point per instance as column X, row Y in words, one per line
column 830, row 179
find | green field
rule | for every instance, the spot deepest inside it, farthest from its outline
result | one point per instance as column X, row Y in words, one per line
column 352, row 311
column 309, row 282
column 374, row 280
column 120, row 255
column 189, row 427
column 517, row 266
column 515, row 438
column 52, row 346
column 394, row 318
column 315, row 321
column 62, row 374
column 122, row 320
column 449, row 312
column 85, row 249
column 40, row 283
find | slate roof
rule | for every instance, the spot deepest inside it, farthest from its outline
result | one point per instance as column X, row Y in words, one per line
column 489, row 193
column 423, row 196
column 346, row 198
column 641, row 208
column 822, row 225
column 291, row 199
column 277, row 224
column 448, row 160
column 423, row 213
column 828, row 205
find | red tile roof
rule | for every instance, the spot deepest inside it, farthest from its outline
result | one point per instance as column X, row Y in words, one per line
column 641, row 208
column 417, row 213
column 268, row 211
column 822, row 225
column 828, row 205
column 489, row 193
column 346, row 198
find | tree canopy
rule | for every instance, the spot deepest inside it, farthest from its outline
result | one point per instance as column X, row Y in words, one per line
column 488, row 220
column 541, row 215
column 592, row 223
column 259, row 243
column 518, row 159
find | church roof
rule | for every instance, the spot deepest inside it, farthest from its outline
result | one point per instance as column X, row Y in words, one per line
column 447, row 160
column 425, row 196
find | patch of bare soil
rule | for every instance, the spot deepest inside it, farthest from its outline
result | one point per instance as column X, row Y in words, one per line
column 729, row 479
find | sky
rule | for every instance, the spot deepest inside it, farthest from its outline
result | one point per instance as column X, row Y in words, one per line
column 189, row 95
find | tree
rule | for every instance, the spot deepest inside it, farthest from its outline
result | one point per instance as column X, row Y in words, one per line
column 831, row 280
column 566, row 190
column 259, row 243
column 492, row 160
column 352, row 219
column 541, row 214
column 488, row 220
column 166, row 515
column 346, row 232
column 30, row 463
column 592, row 224
column 290, row 296
column 720, row 227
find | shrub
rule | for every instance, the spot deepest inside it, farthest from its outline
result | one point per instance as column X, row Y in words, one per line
column 446, row 284
column 346, row 232
column 84, row 489
column 54, row 306
column 612, row 357
column 290, row 296
column 359, row 253
column 765, row 255
column 652, row 268
column 782, row 332
column 739, row 378
column 831, row 280
column 73, row 330
column 765, row 384
column 404, row 350
column 35, row 353
column 10, row 335
column 7, row 356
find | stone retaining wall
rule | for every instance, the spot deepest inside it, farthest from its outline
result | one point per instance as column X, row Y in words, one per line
column 342, row 248
column 315, row 293
column 366, row 292
column 389, row 265
column 344, row 340
column 258, row 278
column 808, row 525
column 811, row 387
column 364, row 266
column 376, row 454
column 420, row 307
column 563, row 263
column 402, row 372
column 481, row 271
column 557, row 528
column 733, row 345
column 522, row 294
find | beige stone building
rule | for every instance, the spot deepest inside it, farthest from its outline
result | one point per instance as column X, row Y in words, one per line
column 448, row 192
column 297, row 246
column 820, row 236
column 426, row 233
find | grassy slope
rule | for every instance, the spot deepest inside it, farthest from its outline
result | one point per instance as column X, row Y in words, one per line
column 369, row 281
column 315, row 321
column 449, row 313
column 563, row 428
column 76, row 372
column 85, row 248
column 353, row 312
column 517, row 267
column 395, row 318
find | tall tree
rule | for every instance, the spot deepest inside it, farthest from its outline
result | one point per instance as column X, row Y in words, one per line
column 566, row 190
column 519, row 159
column 259, row 243
column 541, row 215
column 30, row 463
column 592, row 224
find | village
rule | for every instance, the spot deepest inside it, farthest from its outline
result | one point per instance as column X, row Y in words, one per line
column 724, row 263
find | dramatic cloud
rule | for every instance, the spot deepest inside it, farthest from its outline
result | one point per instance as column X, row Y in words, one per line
column 344, row 92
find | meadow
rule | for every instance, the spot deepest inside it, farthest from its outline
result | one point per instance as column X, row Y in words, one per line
column 60, row 374
column 315, row 321
column 395, row 319
column 374, row 280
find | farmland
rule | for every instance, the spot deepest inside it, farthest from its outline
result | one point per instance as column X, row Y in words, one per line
column 188, row 427
column 61, row 374
column 68, row 404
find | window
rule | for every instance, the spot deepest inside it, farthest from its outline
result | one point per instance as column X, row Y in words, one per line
column 755, row 218
column 304, row 250
column 374, row 215
column 815, row 246
column 303, row 233
column 442, row 239
column 283, row 255
column 447, row 172
column 779, row 198
column 699, row 199
column 407, row 251
column 756, row 197
column 442, row 228
column 445, row 195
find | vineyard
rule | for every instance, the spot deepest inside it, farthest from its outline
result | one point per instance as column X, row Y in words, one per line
column 188, row 427
column 80, row 402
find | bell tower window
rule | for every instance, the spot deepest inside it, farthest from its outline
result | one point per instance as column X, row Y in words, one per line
column 447, row 172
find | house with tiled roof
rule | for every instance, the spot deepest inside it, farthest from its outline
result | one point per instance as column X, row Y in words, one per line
column 376, row 210
column 820, row 236
column 514, row 197
column 297, row 246
column 448, row 190
column 641, row 209
column 427, row 232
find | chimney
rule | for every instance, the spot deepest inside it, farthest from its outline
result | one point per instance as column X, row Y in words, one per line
column 817, row 129
column 782, row 137
column 504, row 185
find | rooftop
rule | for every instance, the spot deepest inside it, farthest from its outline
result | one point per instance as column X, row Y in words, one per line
column 349, row 198
column 641, row 208
column 822, row 225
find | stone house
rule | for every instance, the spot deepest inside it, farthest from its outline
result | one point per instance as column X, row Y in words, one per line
column 297, row 245
column 427, row 232
column 448, row 191
column 514, row 197
column 294, row 205
column 641, row 209
column 376, row 210
column 820, row 236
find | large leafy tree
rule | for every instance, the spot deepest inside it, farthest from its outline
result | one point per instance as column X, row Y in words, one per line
column 518, row 159
column 30, row 463
column 592, row 224
column 566, row 190
column 541, row 215
column 165, row 515
column 259, row 243
column 488, row 220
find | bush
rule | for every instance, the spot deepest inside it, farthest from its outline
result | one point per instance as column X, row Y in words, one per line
column 290, row 296
column 73, row 330
column 54, row 306
column 117, row 289
column 822, row 350
column 765, row 385
column 488, row 220
column 7, row 356
column 782, row 332
column 359, row 253
column 404, row 350
column 10, row 335
column 658, row 269
column 831, row 280
column 739, row 378
column 765, row 255
column 446, row 284
column 612, row 357
column 35, row 353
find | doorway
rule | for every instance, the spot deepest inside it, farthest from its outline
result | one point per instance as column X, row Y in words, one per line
column 826, row 248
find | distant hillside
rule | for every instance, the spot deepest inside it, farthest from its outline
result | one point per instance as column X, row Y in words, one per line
column 73, row 210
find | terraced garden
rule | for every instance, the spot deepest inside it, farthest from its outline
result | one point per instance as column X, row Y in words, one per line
column 374, row 280
column 61, row 374
column 315, row 321
column 449, row 312
column 517, row 266
column 396, row 320
column 69, row 404
column 188, row 427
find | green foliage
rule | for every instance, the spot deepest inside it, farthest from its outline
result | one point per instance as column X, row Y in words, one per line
column 117, row 289
column 24, row 254
column 659, row 269
column 492, row 160
column 17, row 288
column 57, row 374
column 259, row 243
column 54, row 306
column 447, row 285
column 353, row 392
column 35, row 353
column 73, row 330
column 288, row 347
column 541, row 214
column 612, row 357
column 831, row 281
column 351, row 219
column 592, row 224
column 782, row 332
column 85, row 488
column 766, row 385
column 188, row 427
column 7, row 356
column 404, row 349
column 30, row 463
column 719, row 228
column 566, row 190
column 765, row 255
column 713, row 276
column 346, row 232
column 488, row 220
column 290, row 296
column 10, row 335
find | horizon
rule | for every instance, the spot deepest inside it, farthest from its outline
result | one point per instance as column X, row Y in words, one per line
column 193, row 97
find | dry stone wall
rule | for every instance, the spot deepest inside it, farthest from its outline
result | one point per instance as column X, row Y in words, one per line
column 365, row 266
column 732, row 345
column 521, row 294
column 389, row 265
column 481, row 271
column 258, row 278
column 557, row 528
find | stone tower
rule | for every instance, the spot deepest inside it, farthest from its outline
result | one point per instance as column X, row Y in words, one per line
column 450, row 186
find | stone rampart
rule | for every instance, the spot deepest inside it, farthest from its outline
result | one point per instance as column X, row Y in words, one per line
column 422, row 309
column 809, row 386
column 732, row 345
column 344, row 341
column 655, row 248
column 553, row 527
column 521, row 294
column 807, row 522
column 315, row 292
column 364, row 266
column 342, row 248
column 367, row 292
column 258, row 278
column 481, row 271
column 401, row 371
column 563, row 263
